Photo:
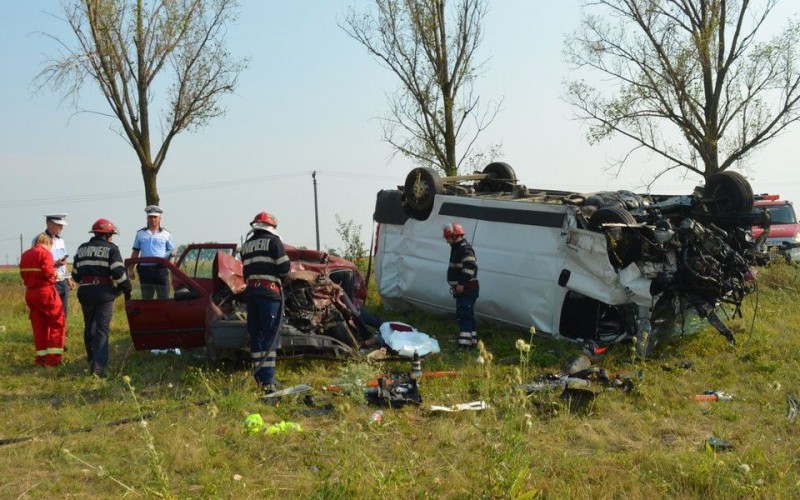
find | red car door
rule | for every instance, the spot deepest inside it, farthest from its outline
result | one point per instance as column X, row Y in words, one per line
column 176, row 317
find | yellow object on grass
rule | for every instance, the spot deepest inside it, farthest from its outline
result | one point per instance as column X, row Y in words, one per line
column 283, row 427
column 254, row 424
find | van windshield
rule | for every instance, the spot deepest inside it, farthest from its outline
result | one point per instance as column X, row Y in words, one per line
column 782, row 214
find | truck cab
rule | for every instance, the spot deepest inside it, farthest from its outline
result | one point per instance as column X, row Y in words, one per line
column 784, row 232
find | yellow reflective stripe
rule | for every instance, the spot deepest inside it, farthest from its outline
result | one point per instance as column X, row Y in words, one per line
column 29, row 269
column 50, row 350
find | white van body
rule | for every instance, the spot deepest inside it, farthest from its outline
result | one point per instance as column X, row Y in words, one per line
column 523, row 250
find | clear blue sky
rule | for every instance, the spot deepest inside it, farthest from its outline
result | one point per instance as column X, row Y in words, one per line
column 307, row 102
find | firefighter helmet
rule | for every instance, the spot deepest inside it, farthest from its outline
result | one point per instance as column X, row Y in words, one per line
column 103, row 226
column 264, row 220
column 453, row 229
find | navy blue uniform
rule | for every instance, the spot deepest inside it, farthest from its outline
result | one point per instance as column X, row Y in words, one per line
column 463, row 270
column 265, row 265
column 99, row 270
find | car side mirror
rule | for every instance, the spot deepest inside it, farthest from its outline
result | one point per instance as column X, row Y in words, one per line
column 185, row 294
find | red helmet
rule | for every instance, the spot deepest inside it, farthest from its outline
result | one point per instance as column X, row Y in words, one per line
column 103, row 226
column 263, row 219
column 453, row 229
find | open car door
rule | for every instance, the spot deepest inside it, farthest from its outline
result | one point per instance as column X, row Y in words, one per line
column 175, row 317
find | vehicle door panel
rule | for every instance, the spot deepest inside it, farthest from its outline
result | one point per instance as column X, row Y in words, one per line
column 175, row 321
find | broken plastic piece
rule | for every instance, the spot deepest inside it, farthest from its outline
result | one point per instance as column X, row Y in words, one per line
column 405, row 340
column 713, row 396
column 718, row 444
column 295, row 389
column 471, row 406
column 792, row 416
column 283, row 427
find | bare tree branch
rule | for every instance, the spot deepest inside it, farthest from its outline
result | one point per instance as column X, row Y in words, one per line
column 430, row 46
column 695, row 82
column 124, row 47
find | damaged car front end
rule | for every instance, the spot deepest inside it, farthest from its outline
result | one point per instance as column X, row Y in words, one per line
column 202, row 306
column 599, row 267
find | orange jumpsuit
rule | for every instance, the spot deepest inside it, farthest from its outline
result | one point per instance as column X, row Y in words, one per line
column 38, row 273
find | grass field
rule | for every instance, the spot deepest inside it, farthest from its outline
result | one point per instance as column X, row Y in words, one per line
column 164, row 426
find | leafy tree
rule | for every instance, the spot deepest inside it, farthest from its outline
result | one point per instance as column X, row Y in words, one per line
column 430, row 46
column 354, row 248
column 694, row 82
column 134, row 50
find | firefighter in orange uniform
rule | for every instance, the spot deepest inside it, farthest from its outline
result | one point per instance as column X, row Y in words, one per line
column 39, row 275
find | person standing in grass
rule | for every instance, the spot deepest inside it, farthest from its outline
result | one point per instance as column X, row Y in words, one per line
column 153, row 241
column 64, row 283
column 264, row 265
column 38, row 272
column 99, row 269
column 462, row 276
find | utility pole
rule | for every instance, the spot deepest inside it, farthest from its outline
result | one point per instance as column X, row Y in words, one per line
column 20, row 245
column 316, row 206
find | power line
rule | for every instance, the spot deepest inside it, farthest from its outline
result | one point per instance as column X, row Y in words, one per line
column 81, row 198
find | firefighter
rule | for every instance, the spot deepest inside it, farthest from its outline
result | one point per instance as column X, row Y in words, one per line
column 265, row 264
column 462, row 276
column 46, row 313
column 100, row 272
column 153, row 241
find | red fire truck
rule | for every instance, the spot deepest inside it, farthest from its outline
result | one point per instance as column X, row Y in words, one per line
column 784, row 231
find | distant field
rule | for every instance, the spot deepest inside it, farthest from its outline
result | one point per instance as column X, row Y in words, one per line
column 164, row 425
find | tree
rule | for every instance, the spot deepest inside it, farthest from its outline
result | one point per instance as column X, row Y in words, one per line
column 695, row 83
column 431, row 49
column 136, row 49
column 354, row 248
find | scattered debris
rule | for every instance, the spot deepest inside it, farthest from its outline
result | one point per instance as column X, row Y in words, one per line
column 394, row 393
column 376, row 417
column 390, row 379
column 471, row 406
column 683, row 365
column 176, row 351
column 406, row 340
column 253, row 424
column 581, row 363
column 283, row 427
column 295, row 389
column 792, row 415
column 718, row 444
column 713, row 396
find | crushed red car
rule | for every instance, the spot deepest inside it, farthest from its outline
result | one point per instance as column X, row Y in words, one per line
column 204, row 307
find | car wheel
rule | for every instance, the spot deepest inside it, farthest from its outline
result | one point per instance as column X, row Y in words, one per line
column 421, row 187
column 503, row 176
column 212, row 356
column 728, row 192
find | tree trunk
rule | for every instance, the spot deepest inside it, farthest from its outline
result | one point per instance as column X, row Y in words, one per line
column 149, row 175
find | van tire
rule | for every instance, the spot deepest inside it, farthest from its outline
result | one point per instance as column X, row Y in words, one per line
column 503, row 178
column 728, row 192
column 609, row 214
column 421, row 187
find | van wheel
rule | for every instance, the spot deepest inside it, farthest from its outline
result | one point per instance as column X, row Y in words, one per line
column 421, row 187
column 503, row 178
column 728, row 192
column 609, row 214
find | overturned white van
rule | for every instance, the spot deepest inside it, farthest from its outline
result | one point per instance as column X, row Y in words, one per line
column 599, row 267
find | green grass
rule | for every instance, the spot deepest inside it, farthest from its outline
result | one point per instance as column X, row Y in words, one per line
column 646, row 443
